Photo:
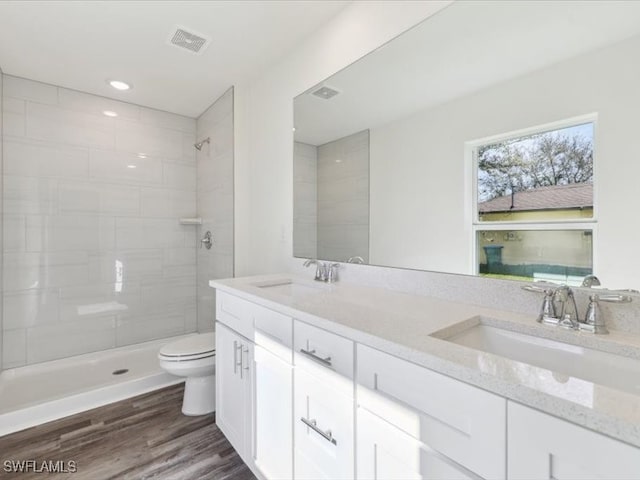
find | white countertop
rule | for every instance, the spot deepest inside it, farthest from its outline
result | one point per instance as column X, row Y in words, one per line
column 403, row 325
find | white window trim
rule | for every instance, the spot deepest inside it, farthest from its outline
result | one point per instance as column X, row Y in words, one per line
column 472, row 220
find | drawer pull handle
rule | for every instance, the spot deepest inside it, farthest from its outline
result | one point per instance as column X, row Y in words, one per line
column 313, row 425
column 312, row 355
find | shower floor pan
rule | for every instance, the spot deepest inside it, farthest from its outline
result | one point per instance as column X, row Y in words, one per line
column 39, row 393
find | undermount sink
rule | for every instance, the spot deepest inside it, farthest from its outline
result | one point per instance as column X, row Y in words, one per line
column 290, row 287
column 608, row 369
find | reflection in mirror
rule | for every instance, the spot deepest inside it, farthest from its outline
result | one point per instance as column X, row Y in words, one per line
column 510, row 121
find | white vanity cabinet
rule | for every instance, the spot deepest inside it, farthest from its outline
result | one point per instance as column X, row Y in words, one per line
column 464, row 424
column 273, row 454
column 323, row 405
column 387, row 453
column 300, row 402
column 544, row 447
column 234, row 387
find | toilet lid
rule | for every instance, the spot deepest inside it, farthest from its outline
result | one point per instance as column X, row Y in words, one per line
column 200, row 344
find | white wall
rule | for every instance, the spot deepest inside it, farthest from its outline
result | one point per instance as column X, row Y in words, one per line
column 420, row 185
column 215, row 202
column 94, row 255
column 264, row 122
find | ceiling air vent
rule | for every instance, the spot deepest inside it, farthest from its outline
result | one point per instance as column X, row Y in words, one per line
column 325, row 92
column 189, row 40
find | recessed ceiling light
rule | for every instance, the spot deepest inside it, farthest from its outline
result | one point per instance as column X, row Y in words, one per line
column 131, row 166
column 142, row 155
column 294, row 129
column 110, row 113
column 119, row 85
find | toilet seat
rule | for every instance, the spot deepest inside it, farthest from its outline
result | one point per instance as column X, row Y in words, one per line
column 195, row 347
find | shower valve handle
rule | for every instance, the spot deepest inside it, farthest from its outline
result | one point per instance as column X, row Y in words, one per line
column 207, row 240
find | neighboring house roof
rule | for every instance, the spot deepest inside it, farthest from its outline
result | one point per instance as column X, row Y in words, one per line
column 555, row 197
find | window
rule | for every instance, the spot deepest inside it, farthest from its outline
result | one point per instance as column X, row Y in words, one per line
column 534, row 204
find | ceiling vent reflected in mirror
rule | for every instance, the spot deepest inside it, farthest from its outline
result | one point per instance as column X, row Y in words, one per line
column 189, row 40
column 325, row 92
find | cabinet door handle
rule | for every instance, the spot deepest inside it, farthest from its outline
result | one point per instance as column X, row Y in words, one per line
column 313, row 425
column 312, row 355
column 237, row 363
column 244, row 367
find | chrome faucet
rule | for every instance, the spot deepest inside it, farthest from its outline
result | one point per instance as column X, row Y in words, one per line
column 356, row 259
column 319, row 268
column 325, row 271
column 591, row 281
column 559, row 307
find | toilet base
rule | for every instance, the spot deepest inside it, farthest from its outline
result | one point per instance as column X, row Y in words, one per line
column 199, row 395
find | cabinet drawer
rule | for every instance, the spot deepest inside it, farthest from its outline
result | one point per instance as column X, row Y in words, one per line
column 235, row 313
column 274, row 332
column 462, row 422
column 324, row 450
column 385, row 452
column 545, row 447
column 324, row 354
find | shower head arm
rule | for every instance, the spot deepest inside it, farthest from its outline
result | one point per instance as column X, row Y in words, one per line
column 200, row 144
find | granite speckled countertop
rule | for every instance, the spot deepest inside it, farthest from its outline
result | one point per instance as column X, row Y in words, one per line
column 408, row 326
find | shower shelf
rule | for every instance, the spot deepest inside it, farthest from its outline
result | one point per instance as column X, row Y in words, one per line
column 191, row 221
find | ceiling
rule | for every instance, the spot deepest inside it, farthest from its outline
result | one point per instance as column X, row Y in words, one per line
column 82, row 44
column 464, row 48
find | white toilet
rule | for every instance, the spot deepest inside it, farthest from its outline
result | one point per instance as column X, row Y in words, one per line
column 193, row 357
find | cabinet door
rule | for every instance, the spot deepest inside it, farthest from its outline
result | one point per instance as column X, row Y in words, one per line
column 274, row 405
column 233, row 412
column 323, row 430
column 384, row 452
column 545, row 447
column 460, row 421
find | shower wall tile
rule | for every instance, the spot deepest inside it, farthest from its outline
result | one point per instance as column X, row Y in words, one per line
column 94, row 255
column 161, row 119
column 167, row 203
column 92, row 104
column 13, row 117
column 64, row 233
column 215, row 203
column 14, row 233
column 66, row 339
column 30, row 195
column 29, row 308
column 124, row 168
column 31, row 271
column 179, row 176
column 150, row 233
column 102, row 199
column 52, row 123
column 305, row 200
column 21, row 88
column 343, row 198
column 150, row 327
column 139, row 138
column 14, row 348
column 42, row 159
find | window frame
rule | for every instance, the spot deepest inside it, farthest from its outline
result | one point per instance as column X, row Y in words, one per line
column 472, row 219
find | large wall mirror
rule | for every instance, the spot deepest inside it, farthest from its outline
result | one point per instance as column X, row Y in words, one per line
column 495, row 138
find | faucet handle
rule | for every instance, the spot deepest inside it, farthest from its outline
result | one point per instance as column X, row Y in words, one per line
column 612, row 298
column 332, row 272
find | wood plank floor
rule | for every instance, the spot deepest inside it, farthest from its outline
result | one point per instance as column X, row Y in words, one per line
column 142, row 437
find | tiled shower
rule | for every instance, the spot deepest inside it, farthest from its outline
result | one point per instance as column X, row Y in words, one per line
column 94, row 254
